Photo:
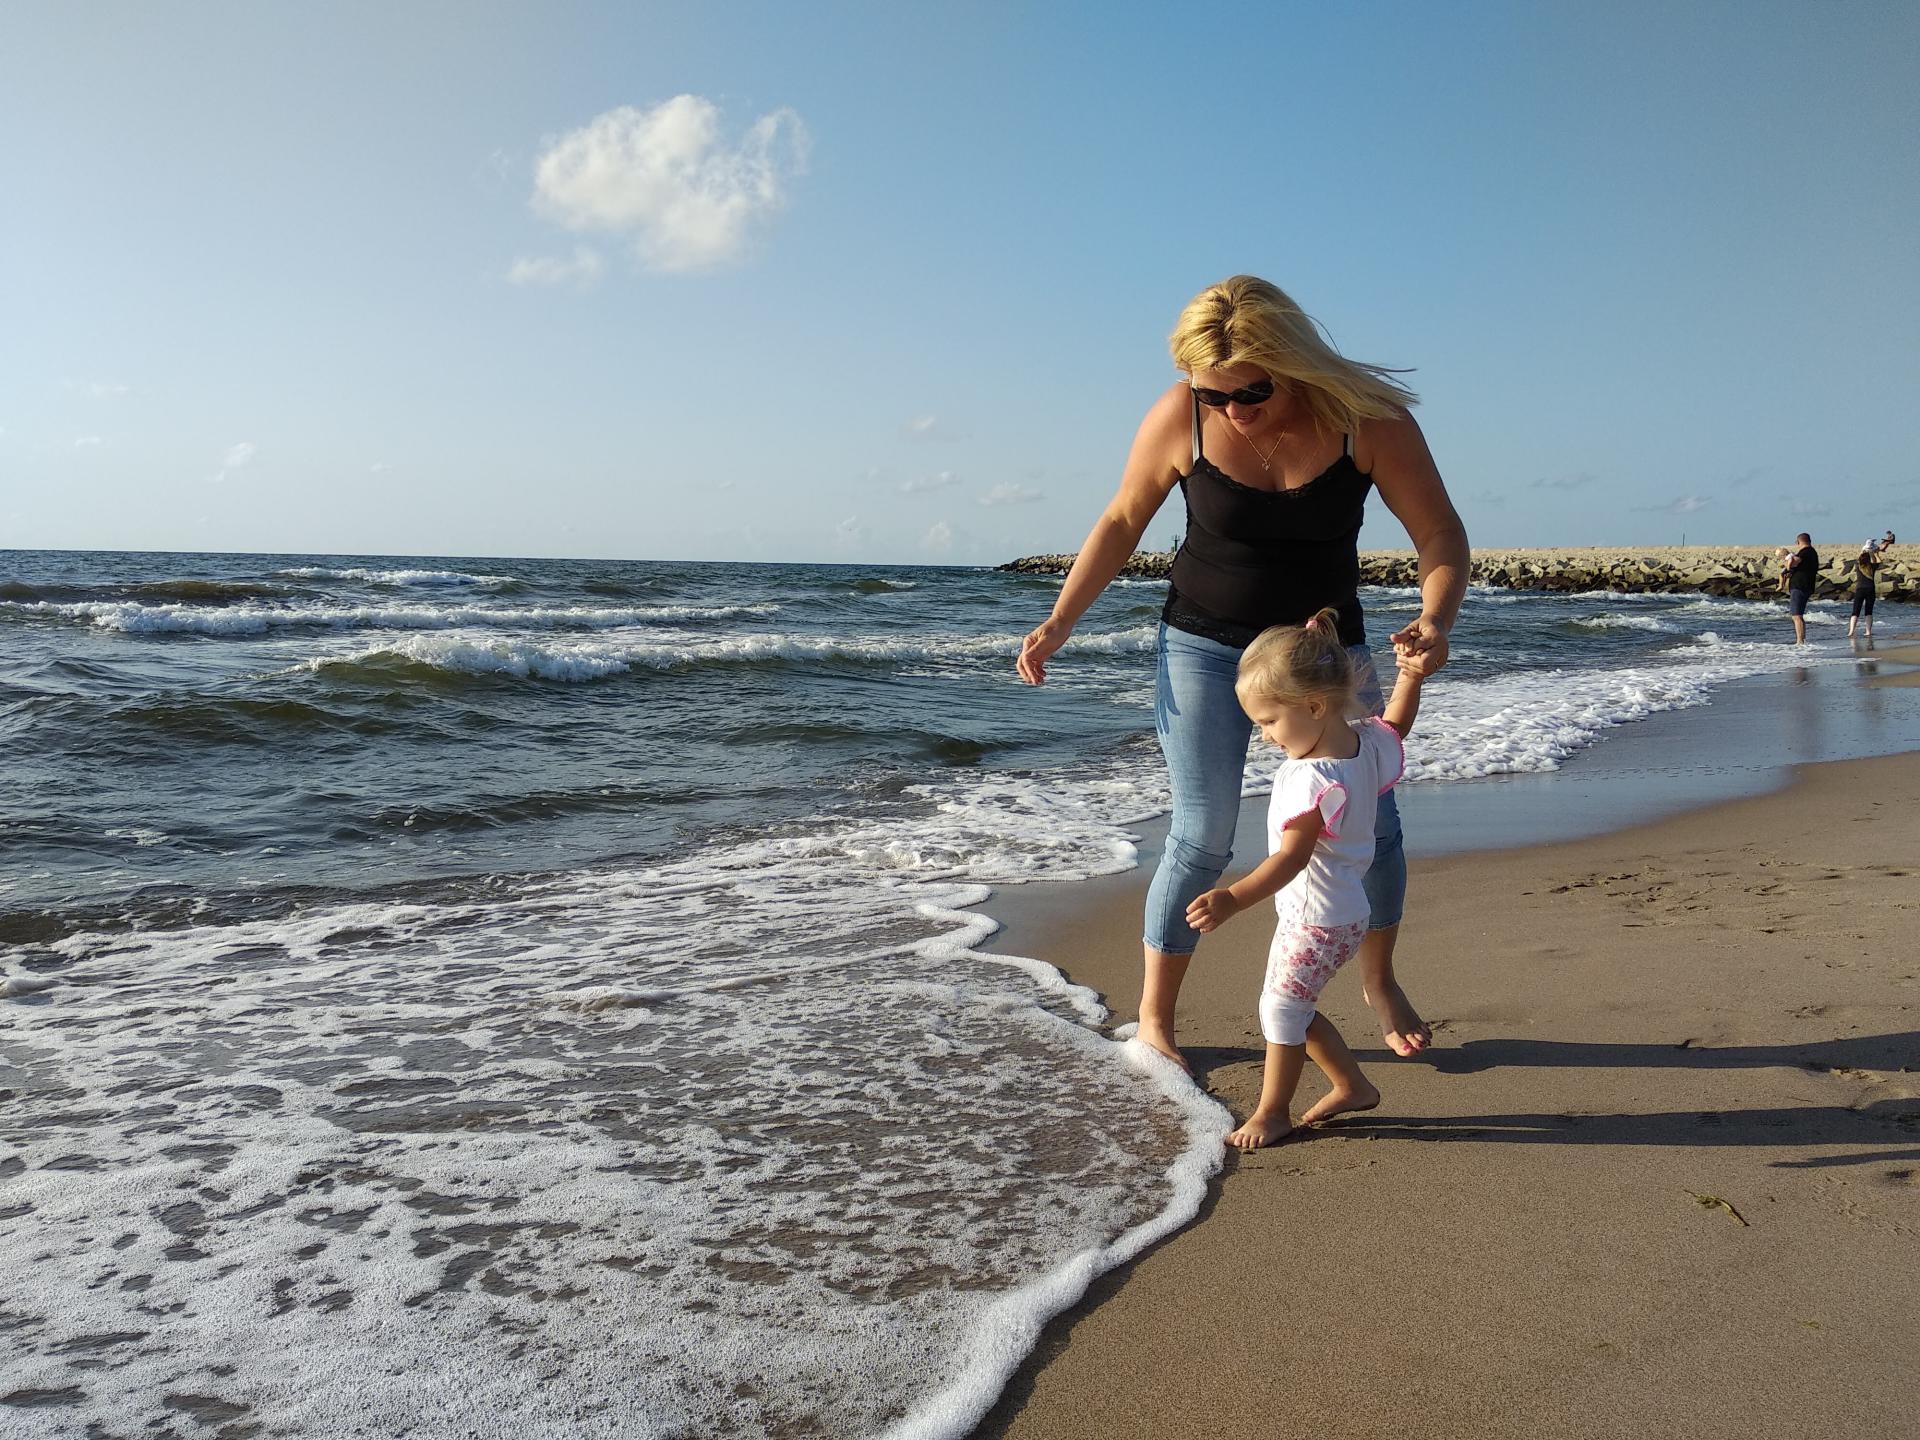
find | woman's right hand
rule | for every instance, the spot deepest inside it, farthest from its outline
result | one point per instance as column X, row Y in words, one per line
column 1040, row 643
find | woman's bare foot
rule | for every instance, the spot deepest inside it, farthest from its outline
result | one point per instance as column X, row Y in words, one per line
column 1341, row 1102
column 1261, row 1130
column 1405, row 1032
column 1156, row 1038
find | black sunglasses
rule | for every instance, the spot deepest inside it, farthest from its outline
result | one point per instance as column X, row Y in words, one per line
column 1257, row 393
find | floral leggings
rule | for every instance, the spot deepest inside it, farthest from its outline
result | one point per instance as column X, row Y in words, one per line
column 1302, row 960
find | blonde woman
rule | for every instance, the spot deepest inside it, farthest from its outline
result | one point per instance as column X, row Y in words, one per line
column 1274, row 439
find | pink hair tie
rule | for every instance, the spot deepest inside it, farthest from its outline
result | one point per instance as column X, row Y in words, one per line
column 1311, row 624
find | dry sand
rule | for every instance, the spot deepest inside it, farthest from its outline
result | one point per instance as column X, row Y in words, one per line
column 1660, row 1175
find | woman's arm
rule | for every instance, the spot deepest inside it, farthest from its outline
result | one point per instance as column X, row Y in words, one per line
column 1266, row 880
column 1395, row 454
column 1153, row 467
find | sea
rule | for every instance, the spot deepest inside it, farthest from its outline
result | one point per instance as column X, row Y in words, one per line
column 453, row 997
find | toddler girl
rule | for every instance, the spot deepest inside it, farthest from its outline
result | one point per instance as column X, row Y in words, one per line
column 1296, row 684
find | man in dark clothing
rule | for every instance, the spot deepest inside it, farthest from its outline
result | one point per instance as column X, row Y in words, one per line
column 1803, row 567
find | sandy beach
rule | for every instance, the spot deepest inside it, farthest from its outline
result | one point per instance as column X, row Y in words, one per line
column 1659, row 1175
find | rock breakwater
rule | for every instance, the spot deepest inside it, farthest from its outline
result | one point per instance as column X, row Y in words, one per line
column 1748, row 572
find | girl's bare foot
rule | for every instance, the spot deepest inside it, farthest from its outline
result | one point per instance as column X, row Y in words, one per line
column 1341, row 1102
column 1261, row 1130
column 1405, row 1032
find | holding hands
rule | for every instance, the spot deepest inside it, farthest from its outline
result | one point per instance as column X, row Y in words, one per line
column 1420, row 649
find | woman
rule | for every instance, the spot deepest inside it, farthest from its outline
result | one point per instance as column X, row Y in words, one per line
column 1865, row 588
column 1274, row 439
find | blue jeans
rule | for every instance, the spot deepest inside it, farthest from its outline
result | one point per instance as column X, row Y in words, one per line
column 1204, row 733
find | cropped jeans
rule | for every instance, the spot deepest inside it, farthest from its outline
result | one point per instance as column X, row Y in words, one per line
column 1204, row 734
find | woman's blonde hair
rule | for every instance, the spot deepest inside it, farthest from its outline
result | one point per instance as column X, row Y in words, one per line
column 1297, row 663
column 1248, row 321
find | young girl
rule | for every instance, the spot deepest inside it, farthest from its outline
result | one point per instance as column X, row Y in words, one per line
column 1296, row 683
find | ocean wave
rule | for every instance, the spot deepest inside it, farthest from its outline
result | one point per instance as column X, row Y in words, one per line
column 875, row 585
column 192, row 591
column 577, row 661
column 409, row 578
column 1626, row 622
column 239, row 620
column 1532, row 721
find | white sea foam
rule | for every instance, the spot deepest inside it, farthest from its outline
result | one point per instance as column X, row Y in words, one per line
column 388, row 1165
column 238, row 620
column 1529, row 721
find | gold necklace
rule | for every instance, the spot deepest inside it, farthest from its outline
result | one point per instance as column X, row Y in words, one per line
column 1264, row 459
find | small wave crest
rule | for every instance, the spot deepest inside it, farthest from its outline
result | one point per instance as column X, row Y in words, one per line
column 587, row 660
column 404, row 578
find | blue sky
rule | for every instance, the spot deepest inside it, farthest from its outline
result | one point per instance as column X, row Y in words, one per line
column 892, row 283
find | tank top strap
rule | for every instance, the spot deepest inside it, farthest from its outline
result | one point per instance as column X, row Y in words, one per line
column 1349, row 445
column 1196, row 424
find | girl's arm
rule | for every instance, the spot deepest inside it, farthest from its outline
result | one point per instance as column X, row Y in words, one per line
column 1153, row 468
column 1264, row 881
column 1405, row 703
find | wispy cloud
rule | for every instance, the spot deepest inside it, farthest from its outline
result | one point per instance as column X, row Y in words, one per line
column 87, row 442
column 581, row 270
column 1748, row 476
column 670, row 181
column 1485, row 497
column 1010, row 493
column 239, row 456
column 1685, row 505
column 923, row 484
column 1809, row 509
column 922, row 427
column 938, row 539
column 1562, row 482
column 850, row 531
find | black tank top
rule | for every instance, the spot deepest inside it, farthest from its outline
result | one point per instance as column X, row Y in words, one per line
column 1254, row 558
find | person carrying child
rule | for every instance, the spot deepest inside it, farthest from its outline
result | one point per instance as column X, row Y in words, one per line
column 1297, row 685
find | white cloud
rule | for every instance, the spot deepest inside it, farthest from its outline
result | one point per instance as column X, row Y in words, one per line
column 583, row 269
column 1687, row 504
column 850, row 531
column 379, row 467
column 1562, row 482
column 1808, row 509
column 239, row 456
column 1010, row 493
column 87, row 442
column 921, row 485
column 670, row 181
column 101, row 390
column 921, row 425
column 939, row 538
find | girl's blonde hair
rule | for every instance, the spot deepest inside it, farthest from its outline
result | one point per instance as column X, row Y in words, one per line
column 1248, row 321
column 1297, row 663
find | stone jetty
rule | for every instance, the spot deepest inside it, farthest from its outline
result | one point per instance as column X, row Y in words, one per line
column 1746, row 571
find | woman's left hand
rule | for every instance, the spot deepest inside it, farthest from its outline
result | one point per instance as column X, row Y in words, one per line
column 1421, row 647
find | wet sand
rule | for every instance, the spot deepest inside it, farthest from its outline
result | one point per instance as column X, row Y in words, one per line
column 1660, row 1173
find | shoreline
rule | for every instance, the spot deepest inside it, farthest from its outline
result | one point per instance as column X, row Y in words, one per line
column 1551, row 1270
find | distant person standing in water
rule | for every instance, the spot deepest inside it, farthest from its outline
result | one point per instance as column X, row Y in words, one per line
column 1803, row 568
column 1274, row 439
column 1865, row 583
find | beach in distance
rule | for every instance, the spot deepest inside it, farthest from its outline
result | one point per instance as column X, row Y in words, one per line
column 561, row 998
